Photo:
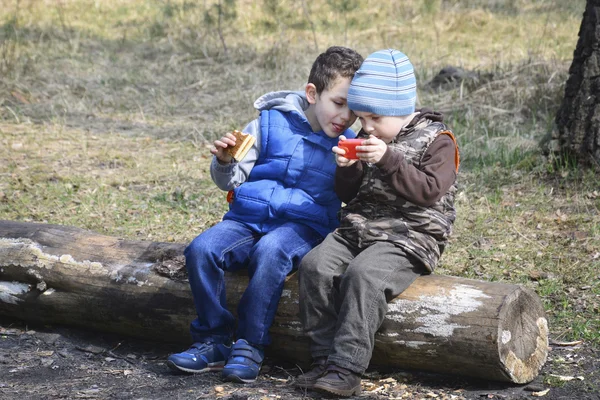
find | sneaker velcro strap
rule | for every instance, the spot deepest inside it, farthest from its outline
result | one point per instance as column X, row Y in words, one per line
column 318, row 362
column 246, row 351
column 335, row 368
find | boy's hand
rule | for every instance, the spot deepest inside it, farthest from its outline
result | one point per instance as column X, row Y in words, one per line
column 371, row 150
column 220, row 145
column 340, row 160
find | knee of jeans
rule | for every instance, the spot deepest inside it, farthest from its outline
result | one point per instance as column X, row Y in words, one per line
column 197, row 249
column 267, row 248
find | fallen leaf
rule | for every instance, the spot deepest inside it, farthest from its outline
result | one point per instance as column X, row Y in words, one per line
column 593, row 195
column 19, row 96
column 579, row 235
column 565, row 378
column 540, row 394
column 278, row 379
column 574, row 343
column 537, row 275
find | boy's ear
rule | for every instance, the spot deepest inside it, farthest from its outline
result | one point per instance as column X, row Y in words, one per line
column 311, row 93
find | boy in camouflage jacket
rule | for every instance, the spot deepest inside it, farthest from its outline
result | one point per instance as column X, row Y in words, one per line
column 399, row 215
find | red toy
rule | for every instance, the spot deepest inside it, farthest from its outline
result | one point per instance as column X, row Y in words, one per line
column 350, row 146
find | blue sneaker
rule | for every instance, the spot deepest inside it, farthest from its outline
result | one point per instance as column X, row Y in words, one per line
column 201, row 357
column 244, row 363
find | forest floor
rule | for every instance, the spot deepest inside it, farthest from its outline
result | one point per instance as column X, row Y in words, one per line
column 55, row 362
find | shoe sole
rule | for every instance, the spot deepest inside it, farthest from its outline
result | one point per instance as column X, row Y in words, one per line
column 237, row 379
column 339, row 392
column 305, row 385
column 210, row 368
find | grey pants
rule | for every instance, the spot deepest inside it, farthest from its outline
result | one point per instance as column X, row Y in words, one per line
column 344, row 292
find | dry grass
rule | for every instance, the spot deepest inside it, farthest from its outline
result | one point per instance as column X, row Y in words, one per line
column 107, row 109
column 133, row 187
column 155, row 68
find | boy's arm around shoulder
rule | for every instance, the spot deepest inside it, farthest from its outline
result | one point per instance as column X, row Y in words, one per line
column 426, row 183
column 231, row 175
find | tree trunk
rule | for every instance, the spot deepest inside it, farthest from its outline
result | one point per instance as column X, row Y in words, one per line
column 63, row 275
column 578, row 119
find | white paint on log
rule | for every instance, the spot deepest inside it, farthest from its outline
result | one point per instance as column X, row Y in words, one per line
column 295, row 326
column 437, row 310
column 413, row 344
column 10, row 290
column 506, row 336
column 94, row 268
column 25, row 253
column 143, row 269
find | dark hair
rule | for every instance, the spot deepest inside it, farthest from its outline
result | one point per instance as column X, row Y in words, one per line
column 335, row 62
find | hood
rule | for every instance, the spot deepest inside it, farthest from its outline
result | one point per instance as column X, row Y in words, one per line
column 284, row 100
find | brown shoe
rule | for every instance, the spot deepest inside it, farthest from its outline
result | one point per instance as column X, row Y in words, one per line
column 307, row 380
column 339, row 381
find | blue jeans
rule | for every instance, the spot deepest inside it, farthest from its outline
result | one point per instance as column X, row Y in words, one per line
column 269, row 258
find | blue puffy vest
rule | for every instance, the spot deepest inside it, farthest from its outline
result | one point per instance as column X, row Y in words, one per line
column 293, row 178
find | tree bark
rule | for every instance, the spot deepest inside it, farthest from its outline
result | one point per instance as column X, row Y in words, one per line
column 578, row 119
column 54, row 274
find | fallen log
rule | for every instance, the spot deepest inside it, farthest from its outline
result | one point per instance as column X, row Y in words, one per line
column 54, row 274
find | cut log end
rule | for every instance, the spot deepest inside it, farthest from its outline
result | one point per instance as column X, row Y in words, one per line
column 522, row 336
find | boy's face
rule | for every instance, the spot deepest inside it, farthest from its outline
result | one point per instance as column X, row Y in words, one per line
column 383, row 127
column 330, row 108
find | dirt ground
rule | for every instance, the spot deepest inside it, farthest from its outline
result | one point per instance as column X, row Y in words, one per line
column 55, row 362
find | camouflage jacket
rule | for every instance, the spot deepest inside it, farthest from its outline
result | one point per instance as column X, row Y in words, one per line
column 378, row 213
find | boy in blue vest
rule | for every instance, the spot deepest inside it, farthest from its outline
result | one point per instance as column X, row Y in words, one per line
column 399, row 213
column 283, row 204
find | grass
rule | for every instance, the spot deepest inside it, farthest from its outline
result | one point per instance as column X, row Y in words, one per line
column 107, row 110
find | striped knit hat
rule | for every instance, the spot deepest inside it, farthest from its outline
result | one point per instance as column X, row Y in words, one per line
column 384, row 84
